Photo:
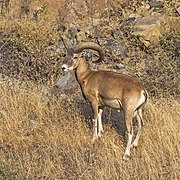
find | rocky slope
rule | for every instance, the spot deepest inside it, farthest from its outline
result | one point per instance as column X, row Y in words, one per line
column 140, row 38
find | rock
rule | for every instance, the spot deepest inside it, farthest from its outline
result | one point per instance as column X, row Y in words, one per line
column 120, row 66
column 150, row 28
column 115, row 47
column 156, row 4
column 66, row 82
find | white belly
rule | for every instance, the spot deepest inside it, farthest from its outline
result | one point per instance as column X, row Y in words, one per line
column 113, row 103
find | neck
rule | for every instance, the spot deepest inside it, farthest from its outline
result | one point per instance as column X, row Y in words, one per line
column 82, row 70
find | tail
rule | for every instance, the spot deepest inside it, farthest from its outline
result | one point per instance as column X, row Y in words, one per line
column 146, row 96
column 145, row 93
column 139, row 110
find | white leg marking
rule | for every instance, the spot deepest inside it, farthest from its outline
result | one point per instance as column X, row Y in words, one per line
column 100, row 127
column 128, row 146
column 139, row 119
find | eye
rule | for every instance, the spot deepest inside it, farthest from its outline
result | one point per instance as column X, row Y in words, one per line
column 75, row 58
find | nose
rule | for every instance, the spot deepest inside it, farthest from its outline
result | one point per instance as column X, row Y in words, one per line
column 64, row 67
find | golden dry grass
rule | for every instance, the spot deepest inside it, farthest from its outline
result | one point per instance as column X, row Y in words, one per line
column 49, row 138
column 45, row 137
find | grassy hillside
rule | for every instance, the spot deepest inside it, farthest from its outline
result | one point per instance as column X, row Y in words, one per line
column 45, row 137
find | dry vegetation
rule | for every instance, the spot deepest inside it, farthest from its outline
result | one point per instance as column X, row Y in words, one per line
column 47, row 137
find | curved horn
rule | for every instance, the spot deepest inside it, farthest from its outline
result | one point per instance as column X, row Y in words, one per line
column 90, row 45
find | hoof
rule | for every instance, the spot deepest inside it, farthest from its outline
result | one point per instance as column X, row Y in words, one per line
column 134, row 144
column 93, row 140
column 126, row 157
column 100, row 134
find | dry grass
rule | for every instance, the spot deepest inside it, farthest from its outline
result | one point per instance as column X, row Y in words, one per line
column 45, row 137
column 49, row 138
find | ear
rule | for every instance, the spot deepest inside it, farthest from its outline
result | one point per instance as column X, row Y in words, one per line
column 77, row 56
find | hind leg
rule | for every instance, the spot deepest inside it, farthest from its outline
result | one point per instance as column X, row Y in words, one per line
column 140, row 123
column 128, row 121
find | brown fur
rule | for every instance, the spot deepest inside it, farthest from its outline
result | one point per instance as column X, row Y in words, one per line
column 107, row 84
column 107, row 88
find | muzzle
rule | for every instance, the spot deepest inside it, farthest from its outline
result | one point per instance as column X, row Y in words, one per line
column 65, row 68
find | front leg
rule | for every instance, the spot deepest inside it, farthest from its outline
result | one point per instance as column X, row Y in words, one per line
column 100, row 127
column 95, row 121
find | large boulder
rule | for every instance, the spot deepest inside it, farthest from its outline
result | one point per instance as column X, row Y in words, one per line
column 68, row 81
column 150, row 28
